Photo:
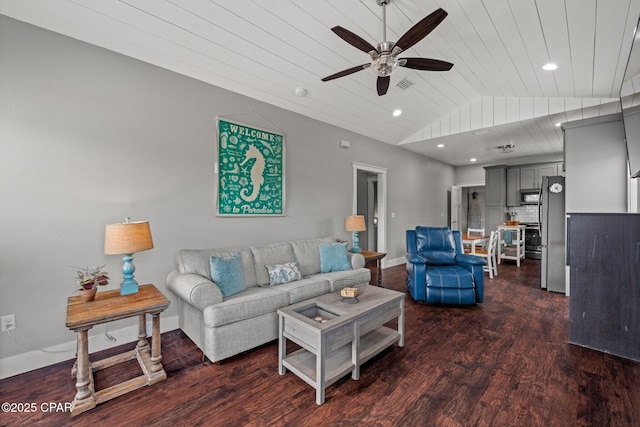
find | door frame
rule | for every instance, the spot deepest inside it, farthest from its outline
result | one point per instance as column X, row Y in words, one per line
column 455, row 207
column 372, row 195
column 382, row 200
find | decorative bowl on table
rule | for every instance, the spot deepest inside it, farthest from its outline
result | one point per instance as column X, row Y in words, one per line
column 349, row 289
column 512, row 223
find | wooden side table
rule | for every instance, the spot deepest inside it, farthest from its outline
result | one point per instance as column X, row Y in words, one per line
column 108, row 307
column 373, row 260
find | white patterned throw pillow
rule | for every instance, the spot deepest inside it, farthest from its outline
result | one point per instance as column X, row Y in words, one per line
column 283, row 273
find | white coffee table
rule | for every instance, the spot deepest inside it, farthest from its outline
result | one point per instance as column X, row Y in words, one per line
column 350, row 335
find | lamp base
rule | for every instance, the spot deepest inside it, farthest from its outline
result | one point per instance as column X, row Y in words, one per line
column 128, row 288
column 356, row 244
column 128, row 285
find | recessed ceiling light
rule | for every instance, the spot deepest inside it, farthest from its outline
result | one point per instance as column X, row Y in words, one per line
column 473, row 159
column 549, row 67
column 397, row 112
column 558, row 124
column 440, row 145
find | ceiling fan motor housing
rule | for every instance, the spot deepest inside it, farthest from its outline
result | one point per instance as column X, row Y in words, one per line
column 383, row 63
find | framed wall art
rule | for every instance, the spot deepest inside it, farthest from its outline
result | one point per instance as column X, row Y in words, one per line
column 251, row 175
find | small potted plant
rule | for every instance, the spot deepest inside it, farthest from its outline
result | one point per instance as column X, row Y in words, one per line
column 89, row 279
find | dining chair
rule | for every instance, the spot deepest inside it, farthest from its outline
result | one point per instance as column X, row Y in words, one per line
column 490, row 255
column 478, row 232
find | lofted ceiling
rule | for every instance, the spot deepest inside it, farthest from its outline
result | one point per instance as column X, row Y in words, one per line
column 496, row 94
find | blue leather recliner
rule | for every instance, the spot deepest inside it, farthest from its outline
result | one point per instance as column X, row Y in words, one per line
column 438, row 270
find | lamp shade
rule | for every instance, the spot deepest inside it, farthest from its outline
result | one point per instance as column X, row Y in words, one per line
column 355, row 223
column 127, row 238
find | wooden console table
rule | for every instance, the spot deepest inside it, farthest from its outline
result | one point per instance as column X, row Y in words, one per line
column 108, row 307
column 373, row 260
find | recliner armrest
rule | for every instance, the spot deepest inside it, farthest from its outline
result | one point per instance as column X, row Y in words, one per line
column 415, row 258
column 470, row 259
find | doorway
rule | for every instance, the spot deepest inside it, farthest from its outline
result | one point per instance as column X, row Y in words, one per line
column 473, row 202
column 369, row 199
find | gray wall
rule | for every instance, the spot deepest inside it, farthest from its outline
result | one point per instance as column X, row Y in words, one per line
column 596, row 165
column 89, row 136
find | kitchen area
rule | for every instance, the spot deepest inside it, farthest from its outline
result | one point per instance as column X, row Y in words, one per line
column 588, row 210
column 526, row 203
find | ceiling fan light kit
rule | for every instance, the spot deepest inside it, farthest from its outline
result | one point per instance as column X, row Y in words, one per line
column 384, row 57
column 507, row 148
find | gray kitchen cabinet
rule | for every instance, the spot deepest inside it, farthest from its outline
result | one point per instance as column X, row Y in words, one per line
column 531, row 175
column 547, row 170
column 495, row 196
column 513, row 187
column 528, row 177
column 496, row 186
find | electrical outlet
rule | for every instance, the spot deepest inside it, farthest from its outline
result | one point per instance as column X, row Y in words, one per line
column 8, row 323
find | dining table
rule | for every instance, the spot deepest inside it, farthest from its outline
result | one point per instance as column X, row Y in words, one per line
column 474, row 240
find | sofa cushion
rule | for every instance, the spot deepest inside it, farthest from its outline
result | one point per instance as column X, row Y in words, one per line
column 333, row 257
column 253, row 302
column 270, row 254
column 198, row 261
column 360, row 274
column 283, row 273
column 226, row 273
column 307, row 254
column 306, row 288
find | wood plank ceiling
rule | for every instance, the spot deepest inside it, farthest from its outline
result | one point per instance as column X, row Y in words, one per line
column 496, row 93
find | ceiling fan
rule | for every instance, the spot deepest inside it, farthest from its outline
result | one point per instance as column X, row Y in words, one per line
column 384, row 57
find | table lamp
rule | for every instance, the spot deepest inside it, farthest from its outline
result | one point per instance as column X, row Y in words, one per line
column 125, row 239
column 355, row 223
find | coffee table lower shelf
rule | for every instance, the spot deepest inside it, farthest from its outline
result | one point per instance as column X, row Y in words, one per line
column 340, row 362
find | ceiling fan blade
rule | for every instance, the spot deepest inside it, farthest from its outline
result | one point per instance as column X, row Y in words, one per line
column 346, row 72
column 354, row 39
column 421, row 29
column 425, row 64
column 383, row 85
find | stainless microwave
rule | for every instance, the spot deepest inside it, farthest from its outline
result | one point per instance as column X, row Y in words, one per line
column 529, row 197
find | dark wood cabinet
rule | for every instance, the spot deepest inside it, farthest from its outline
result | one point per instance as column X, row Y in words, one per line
column 603, row 252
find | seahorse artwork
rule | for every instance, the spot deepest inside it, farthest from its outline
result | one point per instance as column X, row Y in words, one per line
column 257, row 170
column 251, row 171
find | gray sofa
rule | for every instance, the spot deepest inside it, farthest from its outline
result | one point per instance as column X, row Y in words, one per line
column 223, row 327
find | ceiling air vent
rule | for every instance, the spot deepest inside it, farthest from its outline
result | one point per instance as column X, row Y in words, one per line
column 404, row 84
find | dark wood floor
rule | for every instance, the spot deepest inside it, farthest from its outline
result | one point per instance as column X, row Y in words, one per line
column 505, row 362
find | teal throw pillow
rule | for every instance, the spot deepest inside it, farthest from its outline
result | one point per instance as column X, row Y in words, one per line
column 226, row 272
column 283, row 273
column 334, row 257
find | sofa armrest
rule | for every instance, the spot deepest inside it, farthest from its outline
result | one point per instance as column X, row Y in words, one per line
column 357, row 260
column 196, row 290
column 415, row 258
column 470, row 259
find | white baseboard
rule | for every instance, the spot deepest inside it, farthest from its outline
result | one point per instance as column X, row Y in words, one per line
column 386, row 263
column 25, row 362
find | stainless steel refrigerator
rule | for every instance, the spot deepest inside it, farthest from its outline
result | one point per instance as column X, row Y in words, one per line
column 552, row 231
